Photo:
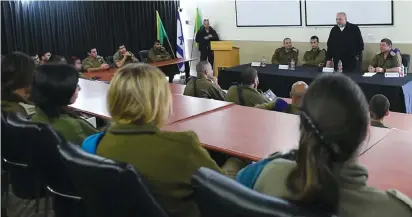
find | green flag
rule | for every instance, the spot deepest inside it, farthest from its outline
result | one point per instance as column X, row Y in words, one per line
column 198, row 22
column 161, row 32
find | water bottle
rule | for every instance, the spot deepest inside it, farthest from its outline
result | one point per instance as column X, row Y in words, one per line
column 292, row 65
column 263, row 63
column 340, row 68
column 182, row 76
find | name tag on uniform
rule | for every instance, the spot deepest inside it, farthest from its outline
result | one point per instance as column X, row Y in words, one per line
column 391, row 74
column 283, row 67
column 328, row 69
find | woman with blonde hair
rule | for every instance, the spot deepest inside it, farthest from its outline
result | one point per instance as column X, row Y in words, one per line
column 139, row 101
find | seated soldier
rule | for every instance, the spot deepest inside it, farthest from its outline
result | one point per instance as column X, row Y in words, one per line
column 387, row 60
column 35, row 58
column 285, row 54
column 247, row 93
column 315, row 56
column 204, row 85
column 123, row 57
column 325, row 174
column 167, row 159
column 94, row 62
column 379, row 109
column 56, row 86
column 297, row 91
column 158, row 53
column 17, row 70
column 45, row 56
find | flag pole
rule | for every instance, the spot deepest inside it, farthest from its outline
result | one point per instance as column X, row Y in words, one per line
column 193, row 43
column 170, row 46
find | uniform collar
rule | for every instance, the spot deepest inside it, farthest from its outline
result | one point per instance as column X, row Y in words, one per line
column 351, row 175
column 316, row 50
column 249, row 88
column 133, row 129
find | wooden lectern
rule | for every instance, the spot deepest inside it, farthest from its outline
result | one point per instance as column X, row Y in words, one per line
column 226, row 55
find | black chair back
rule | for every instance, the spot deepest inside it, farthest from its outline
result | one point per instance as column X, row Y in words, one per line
column 34, row 163
column 144, row 55
column 219, row 196
column 21, row 156
column 110, row 61
column 406, row 61
column 109, row 188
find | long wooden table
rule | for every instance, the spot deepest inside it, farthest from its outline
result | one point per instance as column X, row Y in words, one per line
column 389, row 162
column 107, row 75
column 92, row 101
column 251, row 133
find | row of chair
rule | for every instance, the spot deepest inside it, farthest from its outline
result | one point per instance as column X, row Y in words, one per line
column 42, row 164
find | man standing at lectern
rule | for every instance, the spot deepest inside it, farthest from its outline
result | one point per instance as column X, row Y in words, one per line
column 204, row 36
column 345, row 43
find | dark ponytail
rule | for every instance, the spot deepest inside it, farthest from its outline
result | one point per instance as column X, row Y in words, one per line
column 312, row 182
column 334, row 119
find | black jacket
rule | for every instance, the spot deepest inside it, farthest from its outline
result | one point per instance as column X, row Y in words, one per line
column 204, row 44
column 346, row 44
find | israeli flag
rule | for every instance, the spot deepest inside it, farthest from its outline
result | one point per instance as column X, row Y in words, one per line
column 180, row 43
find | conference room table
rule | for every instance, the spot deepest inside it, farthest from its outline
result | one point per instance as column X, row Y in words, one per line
column 107, row 75
column 389, row 162
column 252, row 134
column 398, row 90
column 92, row 100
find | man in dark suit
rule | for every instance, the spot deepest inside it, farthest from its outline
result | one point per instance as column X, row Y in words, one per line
column 345, row 43
column 204, row 36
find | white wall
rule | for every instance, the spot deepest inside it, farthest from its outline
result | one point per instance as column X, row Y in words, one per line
column 222, row 16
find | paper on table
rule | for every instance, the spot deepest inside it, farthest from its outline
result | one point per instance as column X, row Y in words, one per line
column 369, row 74
column 255, row 64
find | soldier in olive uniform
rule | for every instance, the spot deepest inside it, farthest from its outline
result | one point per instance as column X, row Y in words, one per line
column 204, row 85
column 379, row 108
column 123, row 57
column 285, row 54
column 324, row 174
column 387, row 60
column 158, row 53
column 17, row 71
column 94, row 62
column 167, row 159
column 51, row 93
column 249, row 94
column 315, row 56
column 297, row 92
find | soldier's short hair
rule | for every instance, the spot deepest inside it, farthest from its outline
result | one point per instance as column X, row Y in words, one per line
column 202, row 67
column 248, row 76
column 379, row 106
column 387, row 41
column 157, row 41
column 314, row 38
column 286, row 39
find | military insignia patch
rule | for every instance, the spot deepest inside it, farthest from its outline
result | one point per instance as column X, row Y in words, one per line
column 392, row 53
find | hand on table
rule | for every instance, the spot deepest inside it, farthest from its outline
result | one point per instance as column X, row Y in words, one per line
column 320, row 64
column 371, row 69
column 104, row 66
column 379, row 69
